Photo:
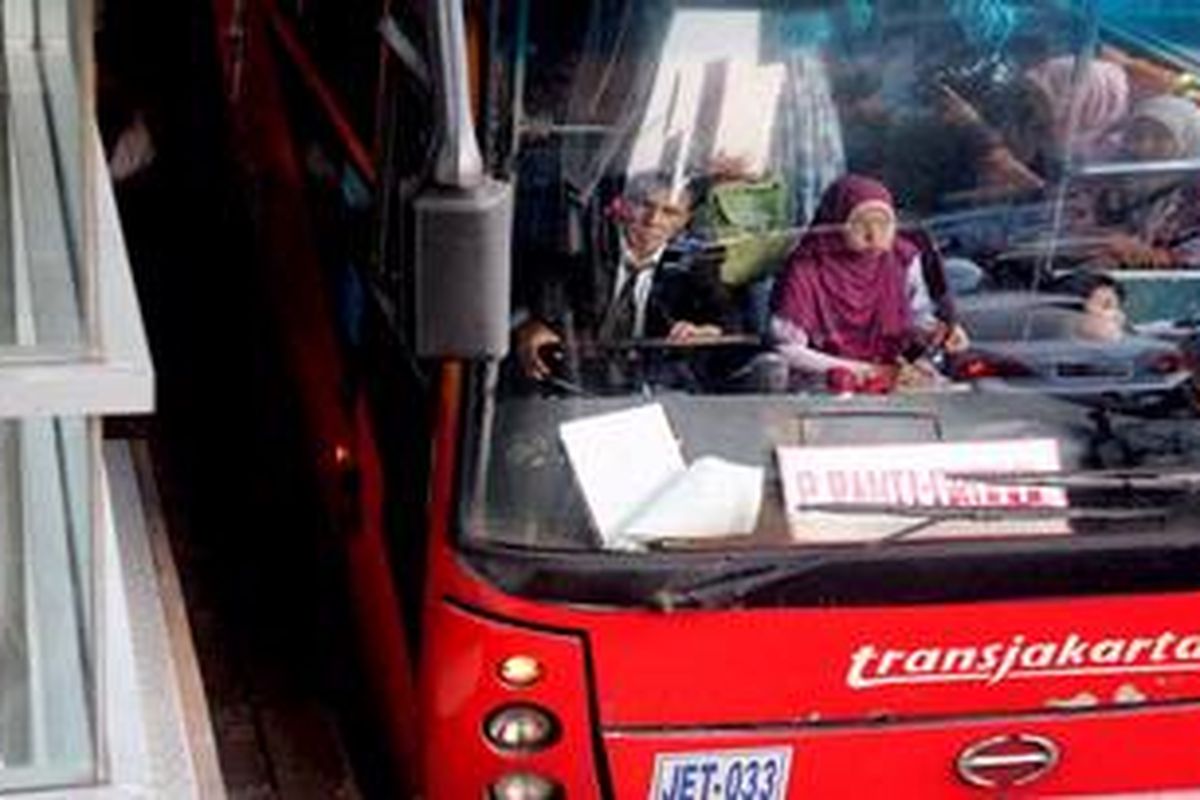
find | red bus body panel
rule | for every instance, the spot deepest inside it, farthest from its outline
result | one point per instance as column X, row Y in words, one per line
column 1112, row 680
column 341, row 434
column 629, row 685
column 917, row 760
column 698, row 682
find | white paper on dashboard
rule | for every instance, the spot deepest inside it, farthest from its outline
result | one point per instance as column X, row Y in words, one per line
column 621, row 459
column 637, row 487
column 712, row 497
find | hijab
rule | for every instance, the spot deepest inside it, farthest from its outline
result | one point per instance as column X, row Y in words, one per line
column 849, row 303
column 1094, row 104
column 1162, row 209
column 1179, row 116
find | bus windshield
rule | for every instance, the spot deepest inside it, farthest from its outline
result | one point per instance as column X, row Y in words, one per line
column 802, row 287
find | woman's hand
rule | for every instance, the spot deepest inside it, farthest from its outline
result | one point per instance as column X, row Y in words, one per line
column 952, row 338
column 873, row 378
column 860, row 376
column 919, row 374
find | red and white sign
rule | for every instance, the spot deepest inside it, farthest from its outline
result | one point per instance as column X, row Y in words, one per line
column 915, row 475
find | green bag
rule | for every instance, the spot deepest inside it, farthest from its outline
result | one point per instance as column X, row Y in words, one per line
column 750, row 220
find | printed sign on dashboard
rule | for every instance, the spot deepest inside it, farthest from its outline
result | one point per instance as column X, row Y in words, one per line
column 820, row 481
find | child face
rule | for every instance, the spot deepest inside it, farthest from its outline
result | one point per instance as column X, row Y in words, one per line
column 1105, row 302
column 1104, row 319
column 871, row 228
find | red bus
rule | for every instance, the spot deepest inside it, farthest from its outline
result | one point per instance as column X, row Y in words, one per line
column 838, row 434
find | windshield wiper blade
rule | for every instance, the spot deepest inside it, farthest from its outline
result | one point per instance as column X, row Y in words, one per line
column 1147, row 479
column 987, row 513
column 731, row 587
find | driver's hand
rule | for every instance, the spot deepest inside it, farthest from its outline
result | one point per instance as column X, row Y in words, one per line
column 531, row 337
column 684, row 331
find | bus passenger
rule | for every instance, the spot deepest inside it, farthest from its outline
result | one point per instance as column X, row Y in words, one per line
column 955, row 154
column 1087, row 107
column 1103, row 317
column 852, row 300
column 1011, row 137
column 643, row 289
column 1157, row 216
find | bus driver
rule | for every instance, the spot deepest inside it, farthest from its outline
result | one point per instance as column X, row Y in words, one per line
column 642, row 294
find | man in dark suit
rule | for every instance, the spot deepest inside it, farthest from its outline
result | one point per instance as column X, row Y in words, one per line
column 650, row 290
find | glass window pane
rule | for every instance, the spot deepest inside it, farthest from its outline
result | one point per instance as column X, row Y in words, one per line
column 47, row 293
column 46, row 641
column 1015, row 259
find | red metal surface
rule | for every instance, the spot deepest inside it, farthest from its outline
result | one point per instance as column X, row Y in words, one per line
column 384, row 645
column 782, row 665
column 684, row 683
column 672, row 682
column 441, row 571
column 458, row 761
column 1126, row 751
column 341, row 435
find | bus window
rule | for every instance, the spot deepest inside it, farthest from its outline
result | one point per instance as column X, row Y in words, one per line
column 758, row 243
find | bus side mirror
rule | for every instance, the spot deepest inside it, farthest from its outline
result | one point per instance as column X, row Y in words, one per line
column 463, row 223
column 463, row 270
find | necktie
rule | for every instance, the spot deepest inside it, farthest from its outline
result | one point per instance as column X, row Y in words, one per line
column 621, row 317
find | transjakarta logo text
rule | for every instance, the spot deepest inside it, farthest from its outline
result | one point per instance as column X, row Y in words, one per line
column 1018, row 658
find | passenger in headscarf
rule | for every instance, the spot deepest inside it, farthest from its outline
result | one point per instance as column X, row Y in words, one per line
column 1163, row 128
column 852, row 299
column 1157, row 216
column 1086, row 109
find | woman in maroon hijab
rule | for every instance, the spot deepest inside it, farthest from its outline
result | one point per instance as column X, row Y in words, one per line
column 851, row 299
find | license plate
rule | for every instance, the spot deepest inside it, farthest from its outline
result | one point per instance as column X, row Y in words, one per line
column 759, row 774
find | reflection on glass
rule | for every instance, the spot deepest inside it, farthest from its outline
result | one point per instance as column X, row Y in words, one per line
column 980, row 213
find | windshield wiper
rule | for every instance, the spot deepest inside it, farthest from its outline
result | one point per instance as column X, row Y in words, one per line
column 934, row 514
column 731, row 587
column 1136, row 478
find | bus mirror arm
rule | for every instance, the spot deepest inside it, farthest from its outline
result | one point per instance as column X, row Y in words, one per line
column 459, row 162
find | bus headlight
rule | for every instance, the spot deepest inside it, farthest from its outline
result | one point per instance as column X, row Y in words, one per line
column 525, row 786
column 520, row 672
column 521, row 727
